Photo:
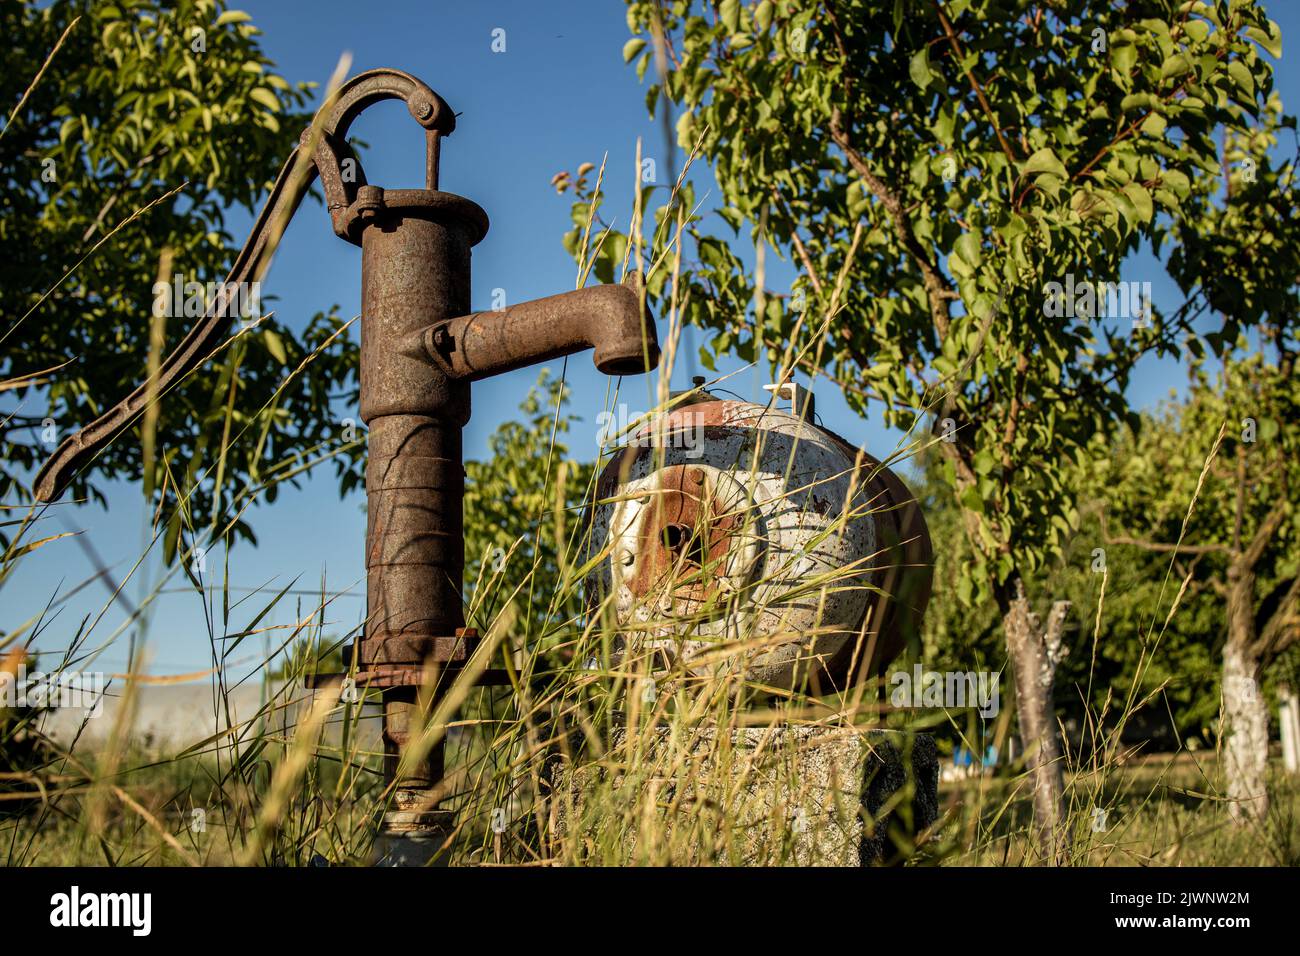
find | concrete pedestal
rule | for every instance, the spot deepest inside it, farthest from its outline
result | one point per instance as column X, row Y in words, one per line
column 414, row 838
column 802, row 796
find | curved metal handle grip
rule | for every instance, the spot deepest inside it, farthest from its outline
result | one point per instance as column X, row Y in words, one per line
column 329, row 129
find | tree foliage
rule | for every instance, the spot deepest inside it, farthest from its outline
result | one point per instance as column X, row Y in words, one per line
column 153, row 119
column 522, row 506
column 1244, row 486
column 928, row 216
column 1110, row 662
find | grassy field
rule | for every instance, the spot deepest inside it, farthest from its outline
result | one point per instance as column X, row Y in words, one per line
column 1159, row 811
column 1162, row 810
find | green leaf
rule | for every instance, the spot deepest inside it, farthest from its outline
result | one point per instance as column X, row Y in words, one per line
column 968, row 246
column 1242, row 76
column 1174, row 66
column 1270, row 41
column 943, row 125
column 1177, row 181
column 964, row 589
column 1089, row 203
column 275, row 345
column 1044, row 161
column 971, row 500
column 1154, row 125
column 1123, row 57
column 233, row 16
column 1126, row 209
column 1141, row 200
column 632, row 47
column 729, row 14
column 1050, row 184
column 264, row 96
column 685, row 138
column 919, row 67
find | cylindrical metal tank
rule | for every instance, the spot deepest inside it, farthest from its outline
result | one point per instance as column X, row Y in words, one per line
column 742, row 538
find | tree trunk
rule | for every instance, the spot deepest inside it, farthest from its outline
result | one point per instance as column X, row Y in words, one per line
column 1034, row 653
column 1243, row 730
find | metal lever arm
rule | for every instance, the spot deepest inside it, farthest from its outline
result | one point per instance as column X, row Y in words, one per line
column 330, row 130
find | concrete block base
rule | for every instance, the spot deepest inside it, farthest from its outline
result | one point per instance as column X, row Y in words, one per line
column 802, row 796
column 414, row 838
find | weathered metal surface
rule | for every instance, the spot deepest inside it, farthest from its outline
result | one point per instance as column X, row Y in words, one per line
column 746, row 537
column 607, row 319
column 683, row 546
column 415, row 271
column 419, row 837
column 903, row 575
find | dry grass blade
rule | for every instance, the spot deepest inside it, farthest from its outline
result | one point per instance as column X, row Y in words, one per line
column 37, row 79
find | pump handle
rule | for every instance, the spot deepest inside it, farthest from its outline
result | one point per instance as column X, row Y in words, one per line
column 322, row 150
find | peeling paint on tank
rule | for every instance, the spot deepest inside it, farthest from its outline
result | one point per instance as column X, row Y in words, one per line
column 779, row 503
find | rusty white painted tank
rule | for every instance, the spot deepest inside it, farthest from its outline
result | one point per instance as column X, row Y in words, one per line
column 743, row 537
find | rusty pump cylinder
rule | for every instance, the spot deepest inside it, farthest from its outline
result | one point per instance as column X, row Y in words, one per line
column 420, row 350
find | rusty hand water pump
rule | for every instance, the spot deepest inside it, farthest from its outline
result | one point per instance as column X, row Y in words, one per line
column 421, row 347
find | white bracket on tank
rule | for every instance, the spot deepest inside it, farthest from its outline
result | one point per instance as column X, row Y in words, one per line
column 802, row 401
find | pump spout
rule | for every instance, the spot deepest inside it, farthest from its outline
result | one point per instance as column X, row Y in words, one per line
column 609, row 319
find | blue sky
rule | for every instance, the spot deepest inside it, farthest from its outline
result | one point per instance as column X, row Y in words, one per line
column 558, row 96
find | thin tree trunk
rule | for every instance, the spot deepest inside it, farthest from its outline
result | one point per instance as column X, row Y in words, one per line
column 1035, row 652
column 1243, row 730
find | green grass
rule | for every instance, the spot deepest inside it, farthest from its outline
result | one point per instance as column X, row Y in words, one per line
column 1164, row 810
column 1160, row 813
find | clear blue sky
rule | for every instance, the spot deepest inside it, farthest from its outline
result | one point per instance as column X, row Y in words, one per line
column 558, row 96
